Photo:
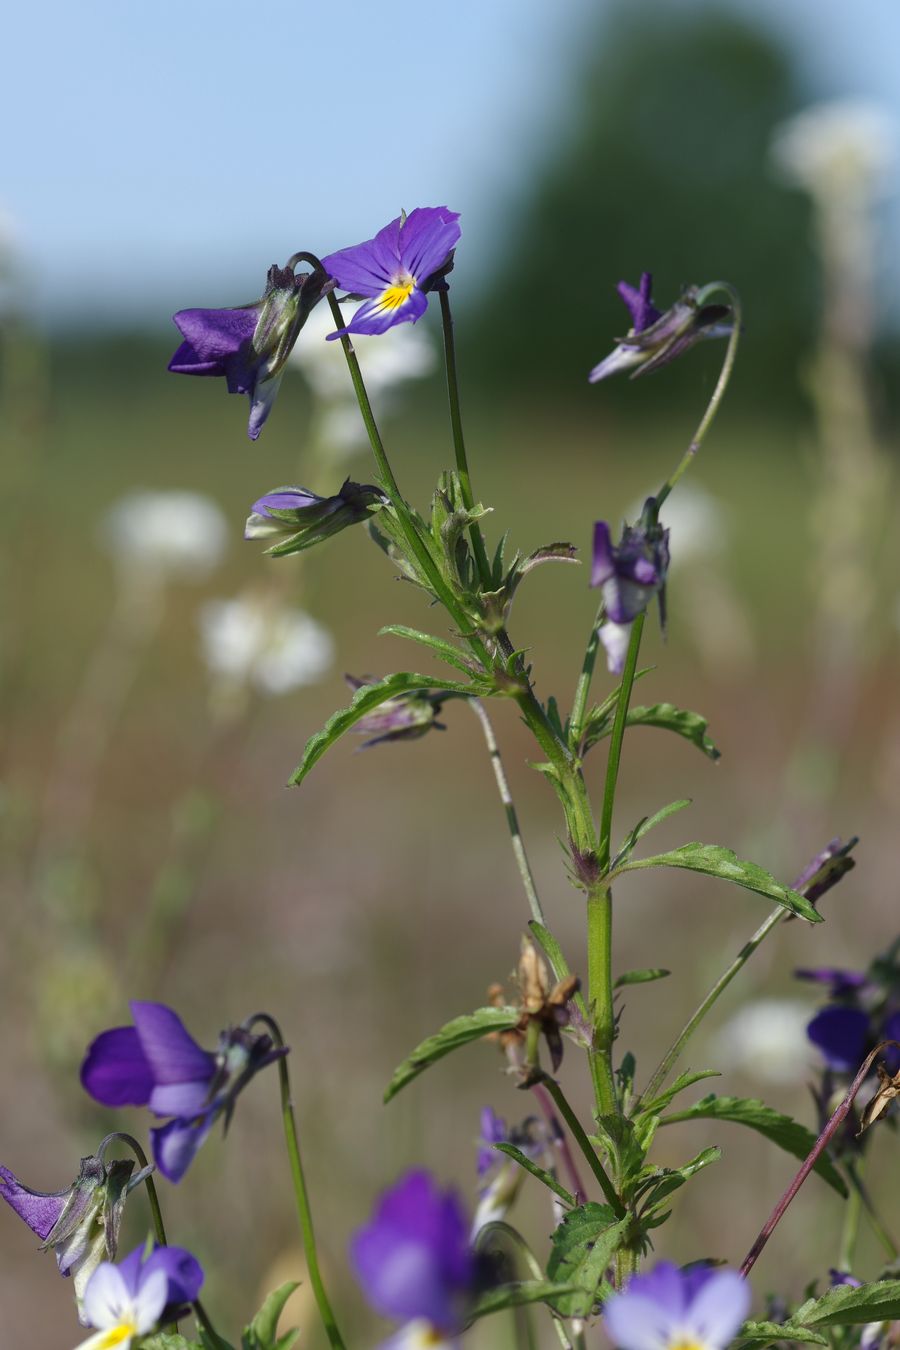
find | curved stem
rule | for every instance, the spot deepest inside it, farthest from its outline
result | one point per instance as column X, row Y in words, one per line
column 159, row 1229
column 581, row 1139
column 509, row 807
column 304, row 1211
column 459, row 444
column 497, row 1228
column 721, row 384
column 664, row 1068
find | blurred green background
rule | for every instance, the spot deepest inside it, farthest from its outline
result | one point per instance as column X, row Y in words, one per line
column 150, row 847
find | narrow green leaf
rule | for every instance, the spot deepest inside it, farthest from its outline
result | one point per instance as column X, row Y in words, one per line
column 541, row 1173
column 371, row 696
column 558, row 963
column 598, row 722
column 641, row 976
column 761, row 1333
column 690, row 725
column 460, row 1031
column 262, row 1332
column 645, row 825
column 514, row 1295
column 445, row 651
column 782, row 1130
column 684, row 1080
column 714, row 861
column 168, row 1340
column 583, row 1246
column 669, row 1179
column 845, row 1306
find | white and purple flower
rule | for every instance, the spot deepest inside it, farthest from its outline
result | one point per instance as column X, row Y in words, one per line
column 142, row 1293
column 414, row 1261
column 672, row 1309
column 394, row 271
column 629, row 575
column 158, row 1064
column 654, row 338
column 298, row 519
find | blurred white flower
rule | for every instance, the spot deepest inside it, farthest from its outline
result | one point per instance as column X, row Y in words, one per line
column 405, row 352
column 252, row 640
column 697, row 520
column 167, row 534
column 767, row 1040
column 841, row 145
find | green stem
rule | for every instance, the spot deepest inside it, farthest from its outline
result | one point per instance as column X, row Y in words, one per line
column 304, row 1212
column 459, row 444
column 583, row 688
column 850, row 1230
column 600, row 998
column 159, row 1228
column 878, row 1228
column 721, row 384
column 512, row 819
column 587, row 1148
column 664, row 1068
column 616, row 737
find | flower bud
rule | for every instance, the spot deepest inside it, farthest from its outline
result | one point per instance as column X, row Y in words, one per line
column 300, row 519
column 655, row 339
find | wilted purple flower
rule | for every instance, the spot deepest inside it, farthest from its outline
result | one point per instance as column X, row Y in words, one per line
column 80, row 1223
column 667, row 1308
column 250, row 344
column 300, row 518
column 396, row 269
column 144, row 1292
column 405, row 717
column 655, row 338
column 413, row 1258
column 629, row 575
column 826, row 869
column 158, row 1064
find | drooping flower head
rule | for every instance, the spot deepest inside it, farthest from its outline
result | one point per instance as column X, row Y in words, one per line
column 250, row 344
column 413, row 1258
column 405, row 717
column 394, row 271
column 629, row 575
column 81, row 1222
column 158, row 1064
column 654, row 338
column 298, row 518
column 142, row 1293
column 673, row 1309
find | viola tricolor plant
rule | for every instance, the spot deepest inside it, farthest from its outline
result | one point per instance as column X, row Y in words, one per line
column 423, row 1263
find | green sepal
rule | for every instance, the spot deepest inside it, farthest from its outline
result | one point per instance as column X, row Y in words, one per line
column 641, row 976
column 761, row 1333
column 370, row 696
column 518, row 1293
column 644, row 826
column 780, row 1129
column 541, row 1173
column 262, row 1332
column 714, row 861
column 445, row 651
column 460, row 1031
column 846, row 1306
column 583, row 1246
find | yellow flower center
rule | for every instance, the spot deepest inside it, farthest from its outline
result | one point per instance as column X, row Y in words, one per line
column 117, row 1335
column 686, row 1343
column 392, row 297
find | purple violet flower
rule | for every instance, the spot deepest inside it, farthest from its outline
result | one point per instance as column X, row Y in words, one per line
column 142, row 1293
column 654, row 338
column 413, row 1258
column 250, row 344
column 298, row 518
column 395, row 270
column 158, row 1064
column 668, row 1308
column 494, row 1130
column 629, row 575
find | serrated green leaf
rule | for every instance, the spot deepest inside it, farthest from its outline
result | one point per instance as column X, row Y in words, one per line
column 684, row 1080
column 641, row 976
column 845, row 1306
column 690, row 725
column 782, row 1130
column 456, row 1033
column 445, row 651
column 714, row 861
column 761, row 1333
column 541, row 1173
column 645, row 825
column 262, row 1332
column 514, row 1295
column 371, row 696
column 583, row 1246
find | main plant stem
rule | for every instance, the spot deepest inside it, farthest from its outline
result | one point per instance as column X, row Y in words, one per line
column 459, row 444
column 301, row 1195
column 587, row 1148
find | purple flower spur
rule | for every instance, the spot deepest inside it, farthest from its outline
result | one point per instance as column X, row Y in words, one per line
column 158, row 1064
column 394, row 271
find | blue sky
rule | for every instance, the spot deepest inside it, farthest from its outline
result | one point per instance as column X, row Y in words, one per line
column 159, row 151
